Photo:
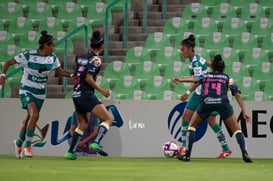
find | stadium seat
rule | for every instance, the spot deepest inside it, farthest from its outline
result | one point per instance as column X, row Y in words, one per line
column 29, row 40
column 135, row 56
column 114, row 71
column 255, row 57
column 155, row 86
column 240, row 4
column 263, row 73
column 248, row 86
column 221, row 13
column 96, row 15
column 51, row 25
column 261, row 28
column 156, row 41
column 167, row 95
column 38, row 12
column 204, row 29
column 181, row 88
column 215, row 43
column 244, row 43
column 251, row 13
column 10, row 11
column 193, row 12
column 125, row 86
column 233, row 28
column 236, row 70
column 68, row 14
column 267, row 46
column 75, row 23
column 140, row 95
column 229, row 55
column 166, row 56
column 174, row 27
column 56, row 5
column 261, row 96
column 267, row 7
column 211, row 4
column 176, row 69
column 146, row 71
column 5, row 38
column 19, row 26
column 60, row 49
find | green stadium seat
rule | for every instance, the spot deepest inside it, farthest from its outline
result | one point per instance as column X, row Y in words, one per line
column 193, row 12
column 215, row 43
column 236, row 70
column 29, row 40
column 84, row 4
column 261, row 28
column 56, row 5
column 38, row 12
column 221, row 13
column 115, row 70
column 166, row 56
column 267, row 6
column 19, row 26
column 251, row 13
column 255, row 57
column 60, row 49
column 240, row 4
column 211, row 4
column 267, row 46
column 75, row 23
column 244, row 43
column 146, row 71
column 156, row 41
column 140, row 95
column 10, row 11
column 155, row 86
column 204, row 29
column 174, row 27
column 96, row 15
column 248, row 86
column 229, row 55
column 181, row 88
column 176, row 69
column 52, row 25
column 202, row 52
column 167, row 95
column 68, row 14
column 125, row 86
column 233, row 28
column 135, row 56
column 263, row 73
column 5, row 37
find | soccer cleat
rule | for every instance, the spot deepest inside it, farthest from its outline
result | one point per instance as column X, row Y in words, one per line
column 183, row 157
column 246, row 158
column 97, row 148
column 18, row 150
column 182, row 151
column 224, row 154
column 28, row 152
column 71, row 156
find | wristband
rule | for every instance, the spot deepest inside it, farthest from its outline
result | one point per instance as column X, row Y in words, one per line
column 2, row 75
column 71, row 75
column 188, row 92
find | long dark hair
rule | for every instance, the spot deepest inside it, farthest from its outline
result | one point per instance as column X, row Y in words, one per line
column 218, row 64
column 96, row 40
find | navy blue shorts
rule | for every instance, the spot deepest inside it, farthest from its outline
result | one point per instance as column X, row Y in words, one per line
column 204, row 110
column 85, row 104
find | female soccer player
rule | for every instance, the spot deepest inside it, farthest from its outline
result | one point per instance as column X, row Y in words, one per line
column 37, row 65
column 198, row 66
column 85, row 101
column 214, row 98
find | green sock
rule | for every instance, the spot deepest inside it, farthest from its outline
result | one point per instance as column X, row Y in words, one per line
column 20, row 140
column 184, row 130
column 221, row 137
column 29, row 136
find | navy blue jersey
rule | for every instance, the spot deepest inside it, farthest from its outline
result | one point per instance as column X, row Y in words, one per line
column 85, row 65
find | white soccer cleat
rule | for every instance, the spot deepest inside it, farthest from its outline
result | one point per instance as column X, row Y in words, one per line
column 18, row 150
column 28, row 152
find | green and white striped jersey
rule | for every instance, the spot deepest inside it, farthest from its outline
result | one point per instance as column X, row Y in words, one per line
column 36, row 71
column 197, row 66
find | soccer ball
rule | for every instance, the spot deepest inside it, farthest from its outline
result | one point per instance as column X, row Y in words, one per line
column 170, row 149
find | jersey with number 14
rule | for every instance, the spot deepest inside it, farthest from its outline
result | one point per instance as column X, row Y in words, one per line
column 197, row 67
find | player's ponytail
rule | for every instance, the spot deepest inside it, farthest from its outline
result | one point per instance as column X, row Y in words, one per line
column 96, row 40
column 218, row 64
column 189, row 42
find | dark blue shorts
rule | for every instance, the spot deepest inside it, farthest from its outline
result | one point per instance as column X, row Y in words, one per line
column 85, row 104
column 204, row 110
